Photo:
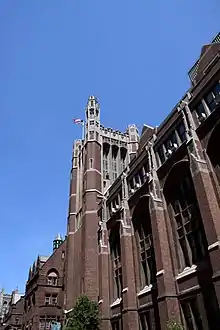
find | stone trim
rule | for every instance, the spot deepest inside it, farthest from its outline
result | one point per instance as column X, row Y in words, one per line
column 214, row 246
column 146, row 289
column 92, row 170
column 187, row 271
column 116, row 302
column 160, row 272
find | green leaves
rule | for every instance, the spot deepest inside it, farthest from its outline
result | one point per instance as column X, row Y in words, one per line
column 84, row 316
column 174, row 325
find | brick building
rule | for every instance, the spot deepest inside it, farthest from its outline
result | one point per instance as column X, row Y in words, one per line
column 43, row 300
column 144, row 214
column 144, row 220
column 13, row 320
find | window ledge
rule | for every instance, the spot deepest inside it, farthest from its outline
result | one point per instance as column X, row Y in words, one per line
column 214, row 246
column 160, row 272
column 187, row 271
column 146, row 289
column 116, row 302
column 125, row 290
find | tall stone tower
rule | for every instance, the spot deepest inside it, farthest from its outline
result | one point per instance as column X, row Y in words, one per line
column 96, row 163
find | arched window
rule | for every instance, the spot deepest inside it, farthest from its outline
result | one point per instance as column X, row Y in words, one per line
column 143, row 233
column 52, row 278
column 214, row 156
column 115, row 247
column 188, row 226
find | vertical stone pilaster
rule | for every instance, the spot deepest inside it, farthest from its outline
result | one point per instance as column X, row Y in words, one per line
column 206, row 196
column 129, row 300
column 70, row 263
column 168, row 302
column 104, row 285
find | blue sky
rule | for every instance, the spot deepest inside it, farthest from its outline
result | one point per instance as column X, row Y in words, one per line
column 134, row 55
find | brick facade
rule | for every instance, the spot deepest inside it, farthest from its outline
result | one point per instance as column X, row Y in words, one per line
column 143, row 240
column 44, row 296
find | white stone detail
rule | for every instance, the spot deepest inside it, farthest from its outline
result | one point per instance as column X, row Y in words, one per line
column 187, row 271
column 213, row 245
column 116, row 302
column 160, row 272
column 146, row 289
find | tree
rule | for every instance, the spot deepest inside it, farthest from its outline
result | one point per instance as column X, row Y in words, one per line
column 174, row 325
column 84, row 315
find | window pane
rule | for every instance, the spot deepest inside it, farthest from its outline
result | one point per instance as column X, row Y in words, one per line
column 161, row 154
column 188, row 316
column 181, row 132
column 216, row 89
column 210, row 101
column 200, row 109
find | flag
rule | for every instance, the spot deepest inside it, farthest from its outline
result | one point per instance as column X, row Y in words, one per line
column 78, row 121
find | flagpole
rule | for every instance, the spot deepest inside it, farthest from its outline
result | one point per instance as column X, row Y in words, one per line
column 83, row 130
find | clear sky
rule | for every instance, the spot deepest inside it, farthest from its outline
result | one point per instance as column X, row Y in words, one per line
column 133, row 54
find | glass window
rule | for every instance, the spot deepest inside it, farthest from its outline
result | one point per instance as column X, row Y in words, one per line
column 145, row 321
column 54, row 299
column 147, row 257
column 47, row 299
column 200, row 109
column 161, row 154
column 188, row 223
column 116, row 259
column 191, row 314
column 210, row 101
column 181, row 130
column 216, row 89
column 116, row 325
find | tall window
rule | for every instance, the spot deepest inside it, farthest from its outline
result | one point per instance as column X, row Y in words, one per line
column 211, row 150
column 145, row 321
column 191, row 314
column 105, row 161
column 114, row 162
column 123, row 153
column 188, row 222
column 115, row 246
column 143, row 229
column 116, row 325
column 147, row 256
